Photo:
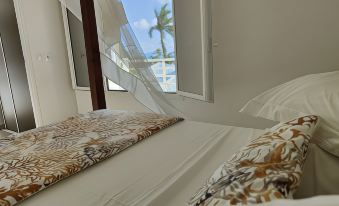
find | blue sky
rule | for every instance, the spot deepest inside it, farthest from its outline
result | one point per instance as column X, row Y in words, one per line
column 140, row 14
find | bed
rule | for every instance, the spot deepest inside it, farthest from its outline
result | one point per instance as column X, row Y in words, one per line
column 168, row 172
column 163, row 160
column 173, row 164
column 166, row 168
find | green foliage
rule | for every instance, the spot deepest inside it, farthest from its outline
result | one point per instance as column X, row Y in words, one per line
column 165, row 27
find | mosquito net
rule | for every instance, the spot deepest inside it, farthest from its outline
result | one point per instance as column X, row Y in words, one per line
column 123, row 60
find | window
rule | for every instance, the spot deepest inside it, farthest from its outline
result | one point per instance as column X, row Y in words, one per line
column 194, row 48
column 185, row 69
column 77, row 53
column 153, row 26
column 78, row 50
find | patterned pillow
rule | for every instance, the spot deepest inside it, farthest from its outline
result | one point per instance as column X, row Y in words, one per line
column 268, row 168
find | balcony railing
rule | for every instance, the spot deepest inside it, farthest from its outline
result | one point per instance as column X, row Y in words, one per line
column 163, row 69
column 165, row 72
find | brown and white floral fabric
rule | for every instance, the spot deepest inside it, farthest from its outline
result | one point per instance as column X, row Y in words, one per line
column 268, row 168
column 34, row 160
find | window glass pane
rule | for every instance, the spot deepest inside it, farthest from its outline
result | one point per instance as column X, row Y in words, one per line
column 153, row 26
column 79, row 54
column 78, row 50
column 113, row 86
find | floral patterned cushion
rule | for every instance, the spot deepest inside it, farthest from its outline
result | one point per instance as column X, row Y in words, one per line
column 268, row 168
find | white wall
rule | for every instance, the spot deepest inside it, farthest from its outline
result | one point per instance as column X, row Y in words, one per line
column 42, row 34
column 114, row 100
column 262, row 43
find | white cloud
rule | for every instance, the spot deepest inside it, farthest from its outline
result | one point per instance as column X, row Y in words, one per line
column 142, row 24
column 163, row 1
column 154, row 21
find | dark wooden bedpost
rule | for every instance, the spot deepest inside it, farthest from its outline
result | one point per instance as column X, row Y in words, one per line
column 93, row 54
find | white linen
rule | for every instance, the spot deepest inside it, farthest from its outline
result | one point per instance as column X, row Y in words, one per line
column 186, row 153
column 316, row 94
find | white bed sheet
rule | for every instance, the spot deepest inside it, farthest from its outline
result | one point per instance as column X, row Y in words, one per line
column 162, row 170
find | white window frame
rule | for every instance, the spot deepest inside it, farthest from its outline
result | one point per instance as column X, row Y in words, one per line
column 70, row 51
column 70, row 55
column 206, row 40
column 71, row 60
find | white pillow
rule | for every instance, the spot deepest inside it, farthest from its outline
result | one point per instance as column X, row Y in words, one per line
column 316, row 94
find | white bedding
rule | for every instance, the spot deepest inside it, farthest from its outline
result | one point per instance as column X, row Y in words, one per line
column 164, row 170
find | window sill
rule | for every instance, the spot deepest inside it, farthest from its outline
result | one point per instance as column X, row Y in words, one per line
column 88, row 89
column 117, row 91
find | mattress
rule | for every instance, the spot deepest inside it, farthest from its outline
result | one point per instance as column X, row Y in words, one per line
column 165, row 169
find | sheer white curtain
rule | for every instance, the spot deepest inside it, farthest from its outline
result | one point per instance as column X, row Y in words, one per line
column 123, row 60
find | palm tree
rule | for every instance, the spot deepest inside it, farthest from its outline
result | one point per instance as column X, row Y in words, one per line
column 164, row 25
column 157, row 54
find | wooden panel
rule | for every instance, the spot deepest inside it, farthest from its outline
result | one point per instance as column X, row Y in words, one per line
column 93, row 54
